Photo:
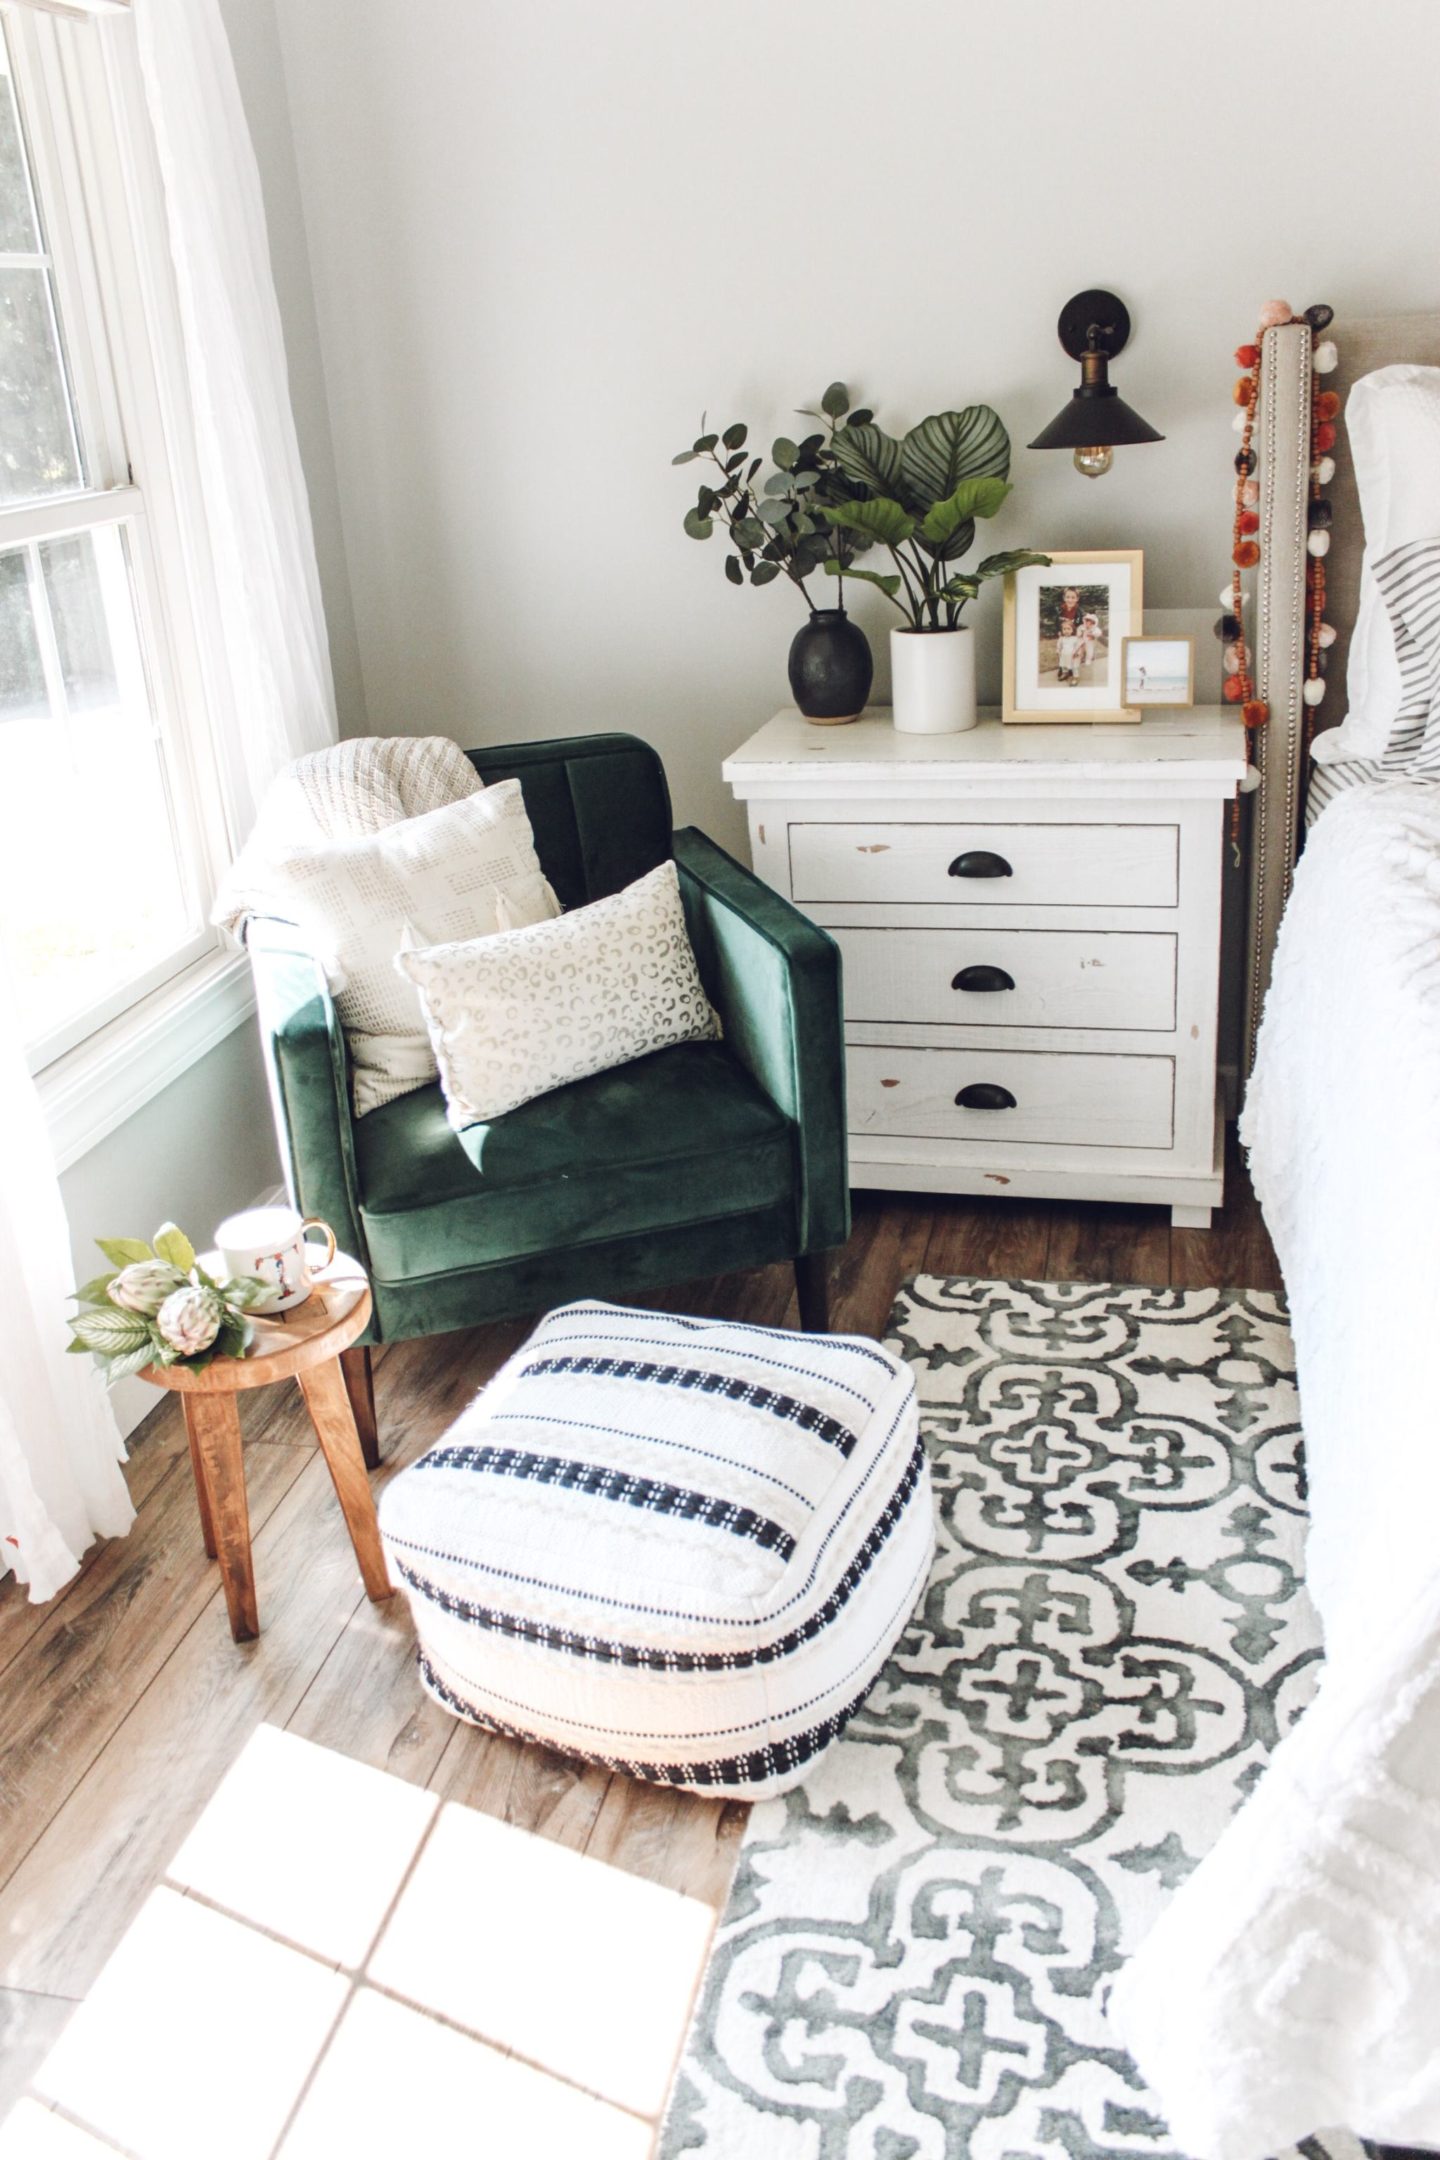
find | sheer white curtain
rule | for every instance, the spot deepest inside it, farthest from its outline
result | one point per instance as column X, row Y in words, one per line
column 60, row 1450
column 277, row 658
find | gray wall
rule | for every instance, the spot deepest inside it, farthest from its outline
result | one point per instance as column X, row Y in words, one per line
column 543, row 236
column 194, row 1153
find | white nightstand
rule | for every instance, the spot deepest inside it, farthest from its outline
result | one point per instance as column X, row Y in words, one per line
column 1030, row 923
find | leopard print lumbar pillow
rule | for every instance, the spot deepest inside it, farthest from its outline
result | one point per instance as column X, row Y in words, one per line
column 515, row 1015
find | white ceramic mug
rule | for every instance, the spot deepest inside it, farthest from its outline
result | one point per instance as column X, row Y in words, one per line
column 270, row 1242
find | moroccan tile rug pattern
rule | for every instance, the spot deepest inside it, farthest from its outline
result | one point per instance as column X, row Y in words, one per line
column 919, row 1941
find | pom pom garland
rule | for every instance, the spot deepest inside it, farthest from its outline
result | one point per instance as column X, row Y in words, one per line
column 1237, row 684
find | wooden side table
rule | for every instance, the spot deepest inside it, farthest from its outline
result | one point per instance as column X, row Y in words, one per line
column 304, row 1344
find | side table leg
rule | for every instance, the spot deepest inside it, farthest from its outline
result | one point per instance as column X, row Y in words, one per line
column 202, row 1490
column 328, row 1402
column 359, row 1371
column 215, row 1424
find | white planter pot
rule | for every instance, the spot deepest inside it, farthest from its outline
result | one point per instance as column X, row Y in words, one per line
column 932, row 674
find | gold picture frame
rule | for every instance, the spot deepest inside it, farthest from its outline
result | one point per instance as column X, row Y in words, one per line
column 1044, row 684
column 1139, row 696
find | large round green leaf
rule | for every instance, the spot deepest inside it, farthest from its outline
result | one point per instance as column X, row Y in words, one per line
column 869, row 455
column 979, row 496
column 881, row 520
column 949, row 447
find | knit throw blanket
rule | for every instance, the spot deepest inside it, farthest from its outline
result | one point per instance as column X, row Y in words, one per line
column 341, row 793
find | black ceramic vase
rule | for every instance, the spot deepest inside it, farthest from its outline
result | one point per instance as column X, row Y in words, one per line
column 831, row 667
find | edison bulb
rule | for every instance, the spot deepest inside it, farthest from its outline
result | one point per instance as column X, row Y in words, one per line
column 1095, row 461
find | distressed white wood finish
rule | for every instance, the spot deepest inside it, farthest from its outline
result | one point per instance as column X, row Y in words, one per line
column 1061, row 978
column 1081, row 1099
column 1048, row 865
column 1113, row 837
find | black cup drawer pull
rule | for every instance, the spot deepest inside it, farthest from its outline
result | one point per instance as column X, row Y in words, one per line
column 979, row 862
column 981, row 977
column 984, row 1095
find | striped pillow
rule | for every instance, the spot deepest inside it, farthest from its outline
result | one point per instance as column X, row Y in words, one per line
column 1409, row 580
column 682, row 1548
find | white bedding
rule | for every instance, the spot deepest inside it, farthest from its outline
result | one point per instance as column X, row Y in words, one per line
column 1293, row 1984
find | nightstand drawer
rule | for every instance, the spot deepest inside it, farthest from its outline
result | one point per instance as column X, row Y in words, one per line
column 1070, row 1099
column 1012, row 865
column 1011, row 978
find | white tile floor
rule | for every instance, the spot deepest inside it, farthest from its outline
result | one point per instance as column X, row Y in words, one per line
column 338, row 1965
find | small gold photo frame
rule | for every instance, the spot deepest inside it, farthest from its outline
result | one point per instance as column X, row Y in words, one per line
column 1065, row 624
column 1157, row 670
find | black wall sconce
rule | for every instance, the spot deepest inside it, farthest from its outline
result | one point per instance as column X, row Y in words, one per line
column 1094, row 326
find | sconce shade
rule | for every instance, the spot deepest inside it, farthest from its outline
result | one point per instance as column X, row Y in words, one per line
column 1095, row 415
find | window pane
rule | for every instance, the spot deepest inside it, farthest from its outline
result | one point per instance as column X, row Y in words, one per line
column 22, row 673
column 19, row 234
column 91, row 887
column 82, row 635
column 38, row 453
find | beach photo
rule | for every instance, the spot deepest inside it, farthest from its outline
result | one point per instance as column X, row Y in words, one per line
column 1158, row 671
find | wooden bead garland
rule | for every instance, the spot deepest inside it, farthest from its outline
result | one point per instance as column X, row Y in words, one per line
column 1238, row 686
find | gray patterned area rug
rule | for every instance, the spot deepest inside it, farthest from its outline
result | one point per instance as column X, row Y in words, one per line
column 918, row 1946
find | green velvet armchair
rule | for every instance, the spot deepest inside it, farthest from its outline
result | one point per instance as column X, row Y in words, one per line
column 690, row 1162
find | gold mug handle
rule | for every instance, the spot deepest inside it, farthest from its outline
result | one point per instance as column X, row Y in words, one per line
column 315, row 1222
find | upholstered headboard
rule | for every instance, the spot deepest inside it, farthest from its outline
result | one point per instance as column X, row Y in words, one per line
column 1283, row 442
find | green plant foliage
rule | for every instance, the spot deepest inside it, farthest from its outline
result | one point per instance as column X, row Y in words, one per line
column 920, row 497
column 119, row 1320
column 785, row 522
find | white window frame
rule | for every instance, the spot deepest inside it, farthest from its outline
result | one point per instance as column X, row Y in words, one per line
column 97, row 178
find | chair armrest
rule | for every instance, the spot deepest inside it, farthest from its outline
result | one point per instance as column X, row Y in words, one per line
column 774, row 978
column 306, row 1065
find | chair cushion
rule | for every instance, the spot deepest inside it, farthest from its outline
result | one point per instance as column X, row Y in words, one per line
column 683, row 1548
column 682, row 1136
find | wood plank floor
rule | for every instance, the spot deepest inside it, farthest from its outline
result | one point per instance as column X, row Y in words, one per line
column 124, row 1700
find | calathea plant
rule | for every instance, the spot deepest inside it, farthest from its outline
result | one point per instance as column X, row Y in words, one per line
column 784, row 522
column 920, row 498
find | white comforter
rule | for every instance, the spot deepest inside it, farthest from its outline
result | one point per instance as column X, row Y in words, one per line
column 1293, row 1984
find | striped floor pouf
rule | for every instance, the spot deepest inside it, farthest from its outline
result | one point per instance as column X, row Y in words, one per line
column 682, row 1548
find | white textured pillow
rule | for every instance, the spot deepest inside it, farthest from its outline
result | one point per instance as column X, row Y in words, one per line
column 467, row 870
column 1392, row 422
column 512, row 1017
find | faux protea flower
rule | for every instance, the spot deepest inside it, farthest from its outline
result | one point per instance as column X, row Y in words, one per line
column 144, row 1286
column 156, row 1305
column 190, row 1319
